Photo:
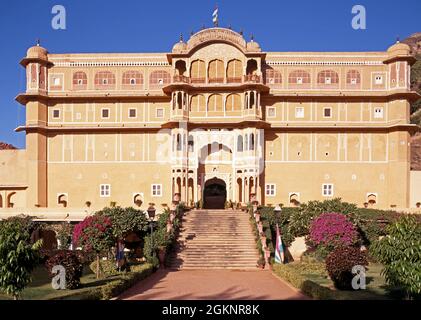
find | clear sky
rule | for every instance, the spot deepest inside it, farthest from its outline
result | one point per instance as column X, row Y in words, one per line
column 154, row 26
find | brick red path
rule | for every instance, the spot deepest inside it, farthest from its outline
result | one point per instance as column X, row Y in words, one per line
column 212, row 285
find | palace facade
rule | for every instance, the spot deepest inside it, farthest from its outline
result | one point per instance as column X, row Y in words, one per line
column 215, row 118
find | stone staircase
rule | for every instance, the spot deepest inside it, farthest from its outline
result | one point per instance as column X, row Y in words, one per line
column 215, row 239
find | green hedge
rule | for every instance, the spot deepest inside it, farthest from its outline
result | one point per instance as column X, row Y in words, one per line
column 292, row 274
column 117, row 286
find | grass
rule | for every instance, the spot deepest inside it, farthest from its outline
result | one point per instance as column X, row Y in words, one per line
column 40, row 288
column 312, row 279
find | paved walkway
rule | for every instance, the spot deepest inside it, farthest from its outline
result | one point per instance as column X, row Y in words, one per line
column 212, row 285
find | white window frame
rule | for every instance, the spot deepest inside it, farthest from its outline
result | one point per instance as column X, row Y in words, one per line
column 105, row 190
column 380, row 114
column 56, row 81
column 135, row 111
column 328, row 80
column 158, row 191
column 298, row 113
column 327, row 185
column 102, row 114
column 299, row 80
column 59, row 113
column 354, row 81
column 330, row 113
column 270, row 190
column 273, row 109
column 378, row 79
column 162, row 110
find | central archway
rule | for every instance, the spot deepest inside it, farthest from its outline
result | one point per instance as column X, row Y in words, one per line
column 214, row 194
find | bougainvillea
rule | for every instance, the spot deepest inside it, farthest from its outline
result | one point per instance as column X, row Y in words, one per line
column 332, row 230
column 94, row 234
column 339, row 264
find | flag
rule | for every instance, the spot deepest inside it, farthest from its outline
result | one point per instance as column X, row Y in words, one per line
column 215, row 17
column 279, row 250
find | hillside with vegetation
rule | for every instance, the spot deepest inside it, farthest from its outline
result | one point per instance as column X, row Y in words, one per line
column 6, row 146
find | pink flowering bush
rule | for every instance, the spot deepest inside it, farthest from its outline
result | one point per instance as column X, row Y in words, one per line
column 94, row 234
column 332, row 230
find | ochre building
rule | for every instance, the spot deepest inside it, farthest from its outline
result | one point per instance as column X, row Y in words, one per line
column 215, row 119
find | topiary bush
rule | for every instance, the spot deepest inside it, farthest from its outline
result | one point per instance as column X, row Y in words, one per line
column 332, row 230
column 339, row 264
column 71, row 263
column 400, row 253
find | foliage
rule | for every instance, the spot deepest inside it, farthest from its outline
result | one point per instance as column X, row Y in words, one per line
column 400, row 253
column 64, row 236
column 339, row 264
column 17, row 256
column 267, row 214
column 71, row 263
column 94, row 234
column 125, row 220
column 332, row 230
column 416, row 85
column 106, row 268
column 300, row 220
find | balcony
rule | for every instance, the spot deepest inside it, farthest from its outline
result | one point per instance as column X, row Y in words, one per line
column 252, row 78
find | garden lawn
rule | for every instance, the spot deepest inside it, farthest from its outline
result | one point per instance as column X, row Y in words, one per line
column 40, row 288
column 312, row 279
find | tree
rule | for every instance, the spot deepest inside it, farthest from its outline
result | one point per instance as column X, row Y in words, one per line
column 125, row 220
column 400, row 253
column 94, row 234
column 18, row 257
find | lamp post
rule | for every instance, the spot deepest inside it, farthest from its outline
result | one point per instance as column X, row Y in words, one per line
column 277, row 210
column 151, row 215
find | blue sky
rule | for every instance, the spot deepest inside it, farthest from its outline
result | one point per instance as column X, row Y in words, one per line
column 154, row 26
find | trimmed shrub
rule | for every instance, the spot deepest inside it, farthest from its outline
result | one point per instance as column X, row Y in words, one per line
column 106, row 268
column 340, row 262
column 400, row 253
column 332, row 230
column 71, row 263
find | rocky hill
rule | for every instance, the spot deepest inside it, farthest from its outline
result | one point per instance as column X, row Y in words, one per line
column 416, row 152
column 414, row 41
column 6, row 146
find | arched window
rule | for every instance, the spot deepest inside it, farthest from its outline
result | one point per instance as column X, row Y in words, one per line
column 190, row 144
column 234, row 71
column 179, row 143
column 272, row 76
column 299, row 77
column 80, row 80
column 251, row 67
column 240, row 144
column 198, row 103
column 353, row 77
column 327, row 77
column 251, row 142
column 159, row 78
column 233, row 103
column 216, row 71
column 180, row 68
column 104, row 79
column 215, row 103
column 198, row 71
column 1, row 201
column 132, row 78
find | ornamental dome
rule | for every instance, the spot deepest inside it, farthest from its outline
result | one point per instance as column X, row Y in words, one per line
column 179, row 46
column 253, row 46
column 399, row 48
column 37, row 52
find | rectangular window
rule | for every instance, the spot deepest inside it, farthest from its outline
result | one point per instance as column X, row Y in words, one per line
column 105, row 113
column 271, row 112
column 327, row 112
column 270, row 190
column 353, row 81
column 378, row 112
column 132, row 113
column 328, row 80
column 327, row 190
column 78, row 116
column 378, row 80
column 104, row 190
column 157, row 190
column 56, row 81
column 299, row 112
column 159, row 113
column 299, row 80
column 56, row 114
column 104, row 81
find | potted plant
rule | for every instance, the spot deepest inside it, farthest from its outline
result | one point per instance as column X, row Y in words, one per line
column 261, row 263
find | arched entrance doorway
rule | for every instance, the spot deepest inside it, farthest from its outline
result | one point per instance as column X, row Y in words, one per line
column 214, row 194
